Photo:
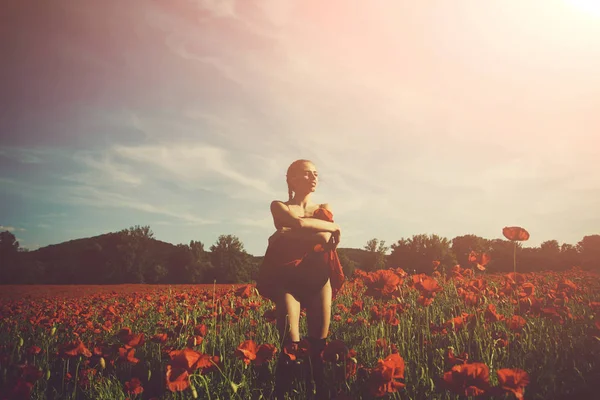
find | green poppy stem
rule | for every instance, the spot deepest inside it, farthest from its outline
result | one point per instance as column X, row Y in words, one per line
column 515, row 273
column 515, row 259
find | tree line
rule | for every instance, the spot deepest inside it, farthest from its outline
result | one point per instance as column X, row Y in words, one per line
column 419, row 252
column 133, row 255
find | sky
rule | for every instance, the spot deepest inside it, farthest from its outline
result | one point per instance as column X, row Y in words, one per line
column 428, row 117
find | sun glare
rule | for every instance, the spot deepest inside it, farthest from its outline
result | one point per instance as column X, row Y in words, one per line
column 591, row 7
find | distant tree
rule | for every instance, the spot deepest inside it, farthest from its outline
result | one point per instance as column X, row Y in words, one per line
column 463, row 245
column 531, row 259
column 348, row 265
column 549, row 256
column 201, row 262
column 376, row 257
column 418, row 253
column 189, row 264
column 589, row 252
column 158, row 273
column 134, row 253
column 198, row 252
column 9, row 251
column 91, row 262
column 569, row 257
column 231, row 262
column 502, row 253
column 180, row 263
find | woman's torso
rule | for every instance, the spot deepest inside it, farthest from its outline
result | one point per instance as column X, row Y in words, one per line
column 300, row 212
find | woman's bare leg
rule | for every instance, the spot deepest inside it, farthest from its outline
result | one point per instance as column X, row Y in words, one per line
column 288, row 318
column 288, row 325
column 318, row 313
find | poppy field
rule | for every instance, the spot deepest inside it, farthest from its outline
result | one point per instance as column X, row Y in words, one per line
column 446, row 336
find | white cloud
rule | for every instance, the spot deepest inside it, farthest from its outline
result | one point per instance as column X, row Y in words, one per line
column 104, row 169
column 191, row 164
column 25, row 155
column 87, row 195
column 219, row 8
column 12, row 229
column 263, row 223
column 52, row 215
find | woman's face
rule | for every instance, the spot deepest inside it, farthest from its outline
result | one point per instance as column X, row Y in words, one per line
column 305, row 178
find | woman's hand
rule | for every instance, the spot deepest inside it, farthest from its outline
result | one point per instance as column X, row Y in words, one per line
column 336, row 238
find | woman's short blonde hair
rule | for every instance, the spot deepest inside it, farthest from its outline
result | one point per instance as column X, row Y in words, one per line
column 290, row 172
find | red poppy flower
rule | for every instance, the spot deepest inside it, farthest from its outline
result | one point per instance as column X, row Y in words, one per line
column 134, row 386
column 126, row 354
column 248, row 351
column 265, row 353
column 192, row 360
column 426, row 284
column 515, row 233
column 513, row 380
column 159, row 338
column 200, row 330
column 244, row 291
column 130, row 339
column 472, row 299
column 295, row 351
column 425, row 300
column 382, row 284
column 491, row 315
column 459, row 322
column 177, row 379
column 383, row 377
column 515, row 278
column 566, row 284
column 480, row 260
column 516, row 323
column 452, row 360
column 468, row 379
column 76, row 348
column 527, row 289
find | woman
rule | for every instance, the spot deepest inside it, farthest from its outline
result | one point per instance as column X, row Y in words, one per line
column 301, row 268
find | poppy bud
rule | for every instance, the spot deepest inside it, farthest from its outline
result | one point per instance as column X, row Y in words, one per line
column 102, row 363
column 194, row 392
column 47, row 375
column 53, row 331
column 149, row 374
column 20, row 342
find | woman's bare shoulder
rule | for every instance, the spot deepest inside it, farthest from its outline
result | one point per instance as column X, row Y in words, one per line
column 279, row 202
